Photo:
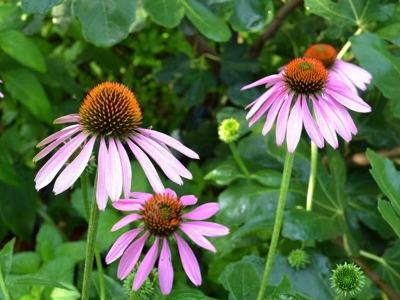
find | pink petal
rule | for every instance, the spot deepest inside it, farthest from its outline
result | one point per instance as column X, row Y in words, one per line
column 272, row 113
column 47, row 173
column 126, row 169
column 114, row 172
column 130, row 257
column 208, row 228
column 309, row 124
column 127, row 205
column 351, row 101
column 121, row 243
column 189, row 261
column 197, row 238
column 262, row 99
column 125, row 221
column 347, row 119
column 141, row 197
column 202, row 212
column 170, row 193
column 337, row 121
column 171, row 142
column 294, row 127
column 147, row 166
column 58, row 134
column 146, row 266
column 72, row 172
column 165, row 269
column 101, row 191
column 326, row 129
column 282, row 121
column 188, row 200
column 266, row 80
column 67, row 119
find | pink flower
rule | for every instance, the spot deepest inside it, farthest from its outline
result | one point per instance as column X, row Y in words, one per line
column 306, row 83
column 111, row 114
column 353, row 76
column 161, row 215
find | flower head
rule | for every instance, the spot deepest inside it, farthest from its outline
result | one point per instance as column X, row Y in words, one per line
column 111, row 115
column 307, row 84
column 228, row 131
column 347, row 280
column 162, row 218
column 353, row 76
column 298, row 259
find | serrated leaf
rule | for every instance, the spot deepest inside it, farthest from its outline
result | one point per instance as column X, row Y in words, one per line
column 22, row 49
column 305, row 225
column 38, row 6
column 104, row 22
column 167, row 13
column 206, row 22
column 249, row 15
column 33, row 279
column 375, row 57
column 390, row 216
column 6, row 257
column 26, row 88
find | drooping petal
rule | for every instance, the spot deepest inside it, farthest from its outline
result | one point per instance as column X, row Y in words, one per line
column 72, row 172
column 127, row 205
column 114, row 172
column 351, row 101
column 326, row 129
column 126, row 169
column 131, row 256
column 165, row 269
column 266, row 80
column 294, row 127
column 147, row 166
column 121, row 244
column 50, row 169
column 188, row 200
column 208, row 228
column 197, row 238
column 202, row 212
column 272, row 113
column 55, row 136
column 189, row 261
column 348, row 120
column 309, row 124
column 101, row 190
column 146, row 266
column 171, row 142
column 72, row 118
column 125, row 221
column 282, row 121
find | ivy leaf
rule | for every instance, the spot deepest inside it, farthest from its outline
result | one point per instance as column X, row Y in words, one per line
column 38, row 6
column 374, row 56
column 22, row 49
column 104, row 22
column 167, row 13
column 206, row 21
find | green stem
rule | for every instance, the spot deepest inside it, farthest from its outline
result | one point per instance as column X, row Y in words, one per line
column 372, row 256
column 287, row 170
column 90, row 244
column 3, row 287
column 313, row 175
column 101, row 275
column 346, row 46
column 238, row 159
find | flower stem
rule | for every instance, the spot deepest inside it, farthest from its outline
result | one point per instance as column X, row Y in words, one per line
column 313, row 174
column 372, row 256
column 287, row 170
column 346, row 46
column 238, row 160
column 3, row 287
column 101, row 275
column 90, row 244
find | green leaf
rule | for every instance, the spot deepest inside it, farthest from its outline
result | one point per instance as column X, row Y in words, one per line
column 63, row 294
column 387, row 178
column 389, row 267
column 26, row 88
column 250, row 15
column 6, row 257
column 48, row 240
column 105, row 23
column 33, row 279
column 206, row 22
column 390, row 216
column 224, row 173
column 25, row 263
column 390, row 33
column 113, row 288
column 74, row 250
column 375, row 57
column 305, row 225
column 10, row 16
column 38, row 6
column 7, row 171
column 167, row 13
column 22, row 49
column 188, row 296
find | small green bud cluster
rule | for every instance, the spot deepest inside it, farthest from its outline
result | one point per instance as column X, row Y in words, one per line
column 228, row 131
column 147, row 291
column 298, row 259
column 347, row 280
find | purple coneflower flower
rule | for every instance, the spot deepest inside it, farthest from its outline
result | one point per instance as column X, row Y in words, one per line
column 162, row 217
column 111, row 114
column 306, row 82
column 353, row 76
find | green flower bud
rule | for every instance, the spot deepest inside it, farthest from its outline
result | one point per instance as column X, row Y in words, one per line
column 228, row 131
column 347, row 280
column 147, row 291
column 298, row 259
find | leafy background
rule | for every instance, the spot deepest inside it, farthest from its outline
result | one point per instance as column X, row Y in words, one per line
column 186, row 61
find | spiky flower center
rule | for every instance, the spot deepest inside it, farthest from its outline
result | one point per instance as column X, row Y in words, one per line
column 305, row 75
column 110, row 109
column 323, row 52
column 347, row 280
column 228, row 131
column 162, row 214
